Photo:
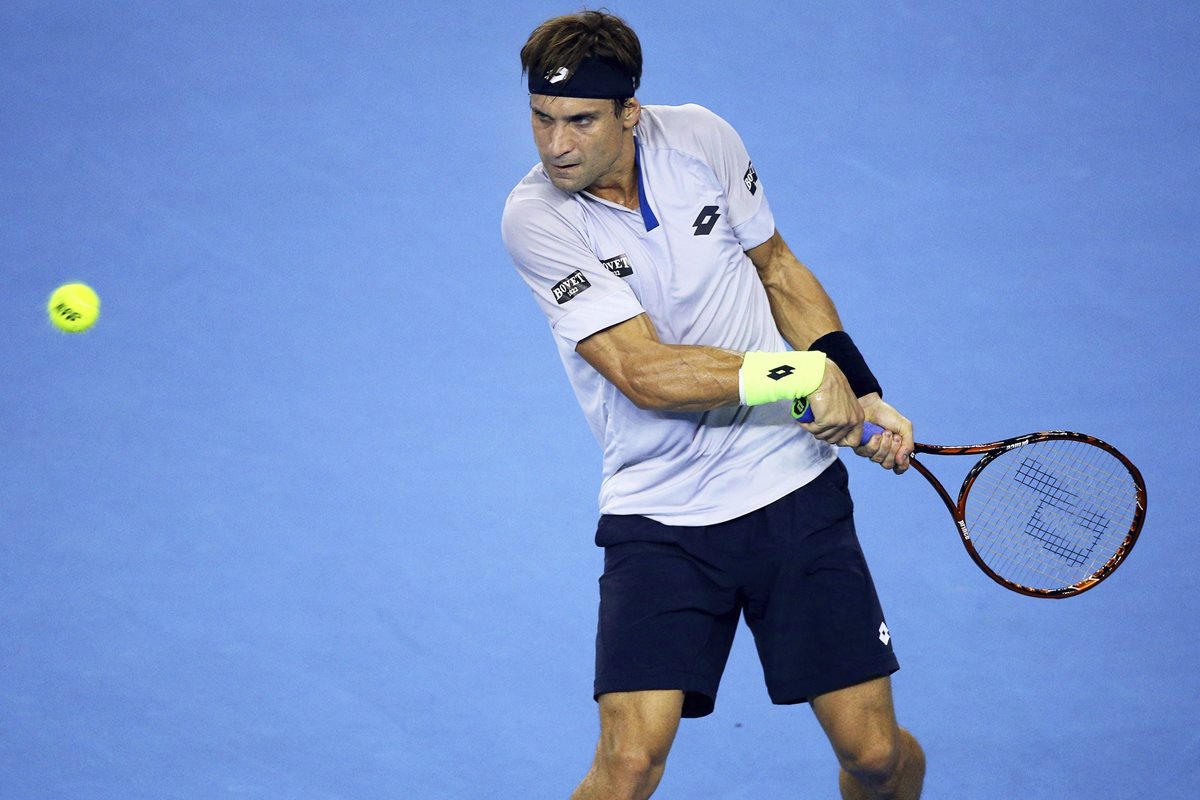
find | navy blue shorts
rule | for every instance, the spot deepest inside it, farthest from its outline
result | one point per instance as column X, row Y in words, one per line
column 671, row 597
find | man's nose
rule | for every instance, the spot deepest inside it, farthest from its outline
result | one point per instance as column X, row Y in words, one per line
column 561, row 140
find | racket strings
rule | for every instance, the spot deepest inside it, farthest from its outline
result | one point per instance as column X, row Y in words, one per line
column 1052, row 513
column 1053, row 495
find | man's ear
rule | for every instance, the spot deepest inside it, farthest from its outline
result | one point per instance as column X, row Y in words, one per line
column 631, row 113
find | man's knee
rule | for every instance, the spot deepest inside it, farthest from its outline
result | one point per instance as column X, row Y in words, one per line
column 629, row 769
column 874, row 760
column 885, row 760
column 633, row 761
column 638, row 738
column 636, row 733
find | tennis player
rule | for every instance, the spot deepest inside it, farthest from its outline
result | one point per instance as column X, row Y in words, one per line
column 687, row 328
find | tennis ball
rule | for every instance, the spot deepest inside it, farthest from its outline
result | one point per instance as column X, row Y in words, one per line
column 73, row 307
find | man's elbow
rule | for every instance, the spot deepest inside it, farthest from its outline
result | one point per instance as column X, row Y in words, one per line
column 643, row 386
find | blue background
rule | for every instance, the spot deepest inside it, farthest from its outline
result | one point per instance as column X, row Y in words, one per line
column 309, row 513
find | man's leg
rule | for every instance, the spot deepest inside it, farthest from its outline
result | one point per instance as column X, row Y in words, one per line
column 879, row 759
column 636, row 732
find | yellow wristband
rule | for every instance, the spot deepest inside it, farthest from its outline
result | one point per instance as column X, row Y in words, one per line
column 769, row 377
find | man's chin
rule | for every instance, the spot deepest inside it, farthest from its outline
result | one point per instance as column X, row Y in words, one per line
column 567, row 184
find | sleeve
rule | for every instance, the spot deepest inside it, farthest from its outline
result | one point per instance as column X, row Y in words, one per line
column 749, row 212
column 578, row 295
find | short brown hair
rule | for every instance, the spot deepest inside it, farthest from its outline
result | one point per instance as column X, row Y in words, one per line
column 567, row 40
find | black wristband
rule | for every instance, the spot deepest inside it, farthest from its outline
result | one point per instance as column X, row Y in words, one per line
column 839, row 348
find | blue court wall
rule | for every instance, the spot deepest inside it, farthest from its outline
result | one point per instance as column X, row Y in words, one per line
column 308, row 514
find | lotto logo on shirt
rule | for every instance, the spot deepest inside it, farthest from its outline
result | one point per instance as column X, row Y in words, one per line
column 618, row 265
column 570, row 286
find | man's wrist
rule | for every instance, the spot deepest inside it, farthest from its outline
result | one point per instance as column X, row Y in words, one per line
column 841, row 350
column 770, row 377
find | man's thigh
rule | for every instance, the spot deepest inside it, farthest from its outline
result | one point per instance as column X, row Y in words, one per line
column 811, row 602
column 641, row 721
column 665, row 623
column 857, row 716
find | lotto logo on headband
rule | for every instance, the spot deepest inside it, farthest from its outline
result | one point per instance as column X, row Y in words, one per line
column 592, row 78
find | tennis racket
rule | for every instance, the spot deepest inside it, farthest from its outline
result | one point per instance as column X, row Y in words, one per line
column 1047, row 514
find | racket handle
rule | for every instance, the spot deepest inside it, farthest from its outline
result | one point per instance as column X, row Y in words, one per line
column 869, row 428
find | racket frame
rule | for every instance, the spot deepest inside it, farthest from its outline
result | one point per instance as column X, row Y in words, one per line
column 993, row 450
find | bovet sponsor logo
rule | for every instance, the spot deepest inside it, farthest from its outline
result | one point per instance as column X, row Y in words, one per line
column 751, row 179
column 569, row 287
column 618, row 265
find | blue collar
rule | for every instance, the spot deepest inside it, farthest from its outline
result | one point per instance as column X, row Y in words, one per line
column 648, row 217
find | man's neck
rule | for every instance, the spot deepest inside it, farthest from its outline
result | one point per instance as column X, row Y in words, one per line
column 620, row 185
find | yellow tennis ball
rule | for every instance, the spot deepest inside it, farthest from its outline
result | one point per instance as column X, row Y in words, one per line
column 74, row 307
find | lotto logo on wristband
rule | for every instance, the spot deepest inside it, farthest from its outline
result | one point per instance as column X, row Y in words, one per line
column 569, row 287
column 781, row 372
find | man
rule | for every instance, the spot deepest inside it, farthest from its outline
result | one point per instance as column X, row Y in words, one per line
column 646, row 238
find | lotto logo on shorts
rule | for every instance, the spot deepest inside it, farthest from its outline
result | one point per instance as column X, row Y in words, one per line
column 751, row 179
column 569, row 287
column 618, row 265
column 885, row 635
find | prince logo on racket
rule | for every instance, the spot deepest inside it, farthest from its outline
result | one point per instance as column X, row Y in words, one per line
column 715, row 505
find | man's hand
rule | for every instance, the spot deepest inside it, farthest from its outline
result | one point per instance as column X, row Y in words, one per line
column 891, row 448
column 837, row 414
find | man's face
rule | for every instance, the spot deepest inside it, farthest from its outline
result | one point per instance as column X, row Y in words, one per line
column 578, row 140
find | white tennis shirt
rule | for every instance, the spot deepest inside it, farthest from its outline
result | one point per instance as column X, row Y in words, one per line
column 680, row 258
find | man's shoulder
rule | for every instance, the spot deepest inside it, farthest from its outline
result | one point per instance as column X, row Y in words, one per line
column 535, row 185
column 535, row 194
column 691, row 128
column 681, row 115
column 536, row 208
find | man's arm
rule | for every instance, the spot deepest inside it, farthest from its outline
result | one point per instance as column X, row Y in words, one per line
column 804, row 313
column 662, row 377
column 666, row 377
column 802, row 309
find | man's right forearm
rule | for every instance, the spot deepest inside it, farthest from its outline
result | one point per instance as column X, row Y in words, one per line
column 802, row 309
